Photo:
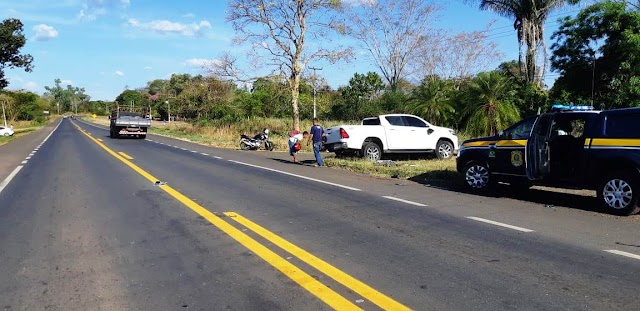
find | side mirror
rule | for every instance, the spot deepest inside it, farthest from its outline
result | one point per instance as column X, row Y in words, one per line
column 430, row 131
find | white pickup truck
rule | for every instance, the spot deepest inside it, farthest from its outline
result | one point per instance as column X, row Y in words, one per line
column 392, row 133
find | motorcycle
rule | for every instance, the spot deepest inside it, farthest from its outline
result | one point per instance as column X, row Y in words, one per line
column 255, row 142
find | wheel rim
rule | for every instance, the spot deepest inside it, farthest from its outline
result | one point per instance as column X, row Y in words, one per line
column 477, row 176
column 372, row 153
column 445, row 151
column 617, row 193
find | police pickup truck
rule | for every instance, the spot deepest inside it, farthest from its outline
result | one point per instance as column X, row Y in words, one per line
column 570, row 147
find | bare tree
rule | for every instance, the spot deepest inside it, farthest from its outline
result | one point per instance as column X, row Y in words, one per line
column 284, row 35
column 393, row 33
column 457, row 56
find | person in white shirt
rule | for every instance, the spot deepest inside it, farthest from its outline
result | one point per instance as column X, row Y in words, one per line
column 294, row 141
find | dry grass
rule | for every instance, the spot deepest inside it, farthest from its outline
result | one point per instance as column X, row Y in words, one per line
column 22, row 128
column 429, row 169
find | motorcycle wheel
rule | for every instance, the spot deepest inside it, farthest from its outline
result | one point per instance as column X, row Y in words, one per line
column 244, row 146
column 268, row 145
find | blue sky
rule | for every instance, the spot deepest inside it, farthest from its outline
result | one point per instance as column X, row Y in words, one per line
column 108, row 45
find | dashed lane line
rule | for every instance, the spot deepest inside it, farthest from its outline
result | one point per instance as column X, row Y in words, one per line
column 622, row 253
column 404, row 201
column 500, row 224
column 295, row 175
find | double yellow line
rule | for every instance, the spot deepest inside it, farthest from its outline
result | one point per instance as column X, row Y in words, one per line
column 306, row 281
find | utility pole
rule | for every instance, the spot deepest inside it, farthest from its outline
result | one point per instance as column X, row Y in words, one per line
column 4, row 116
column 314, row 89
column 593, row 78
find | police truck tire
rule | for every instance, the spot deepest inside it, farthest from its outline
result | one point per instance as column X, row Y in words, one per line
column 618, row 193
column 477, row 176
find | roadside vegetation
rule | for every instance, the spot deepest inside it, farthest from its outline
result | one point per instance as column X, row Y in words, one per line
column 22, row 128
column 449, row 79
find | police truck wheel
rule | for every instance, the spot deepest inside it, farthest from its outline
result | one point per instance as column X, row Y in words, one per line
column 618, row 193
column 444, row 150
column 477, row 176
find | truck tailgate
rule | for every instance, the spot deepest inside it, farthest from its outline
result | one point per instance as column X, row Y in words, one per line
column 133, row 122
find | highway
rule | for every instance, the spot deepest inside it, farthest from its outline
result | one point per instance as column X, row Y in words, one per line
column 93, row 223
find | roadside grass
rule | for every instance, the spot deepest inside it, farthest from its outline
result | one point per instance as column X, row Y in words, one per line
column 22, row 128
column 227, row 135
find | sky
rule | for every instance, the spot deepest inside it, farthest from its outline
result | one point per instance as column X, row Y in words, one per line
column 107, row 46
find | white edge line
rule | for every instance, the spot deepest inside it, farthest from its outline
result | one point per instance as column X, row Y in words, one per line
column 193, row 151
column 7, row 180
column 404, row 201
column 204, row 154
column 621, row 253
column 24, row 162
column 294, row 175
column 500, row 224
column 27, row 158
column 217, row 157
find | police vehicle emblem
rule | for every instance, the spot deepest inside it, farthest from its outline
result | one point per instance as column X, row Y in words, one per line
column 516, row 158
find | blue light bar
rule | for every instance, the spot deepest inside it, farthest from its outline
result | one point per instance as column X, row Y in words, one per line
column 561, row 107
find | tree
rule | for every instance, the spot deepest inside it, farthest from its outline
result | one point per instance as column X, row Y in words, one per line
column 598, row 56
column 393, row 33
column 431, row 100
column 529, row 18
column 11, row 41
column 280, row 29
column 66, row 99
column 488, row 104
column 360, row 95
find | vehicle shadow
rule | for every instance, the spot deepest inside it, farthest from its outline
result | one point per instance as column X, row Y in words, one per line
column 544, row 196
column 302, row 162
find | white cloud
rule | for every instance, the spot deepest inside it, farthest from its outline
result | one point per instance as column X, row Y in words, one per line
column 189, row 15
column 167, row 27
column 44, row 32
column 66, row 82
column 92, row 9
column 31, row 86
column 148, row 67
column 201, row 62
column 119, row 73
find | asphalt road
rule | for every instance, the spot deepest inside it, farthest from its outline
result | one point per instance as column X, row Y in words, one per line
column 92, row 223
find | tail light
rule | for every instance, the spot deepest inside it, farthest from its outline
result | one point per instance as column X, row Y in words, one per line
column 343, row 133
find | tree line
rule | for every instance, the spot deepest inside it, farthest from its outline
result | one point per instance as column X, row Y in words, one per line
column 594, row 56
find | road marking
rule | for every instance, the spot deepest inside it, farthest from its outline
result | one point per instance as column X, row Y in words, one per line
column 193, row 151
column 27, row 158
column 621, row 253
column 204, row 154
column 500, row 224
column 350, row 282
column 24, row 162
column 217, row 157
column 100, row 139
column 7, row 180
column 306, row 281
column 183, row 149
column 404, row 201
column 295, row 175
column 126, row 156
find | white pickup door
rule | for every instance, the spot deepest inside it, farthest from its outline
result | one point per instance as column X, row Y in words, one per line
column 409, row 133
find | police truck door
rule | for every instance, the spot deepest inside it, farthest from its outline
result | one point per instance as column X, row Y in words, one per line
column 537, row 149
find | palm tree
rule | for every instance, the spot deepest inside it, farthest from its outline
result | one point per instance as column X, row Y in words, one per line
column 489, row 107
column 529, row 18
column 431, row 101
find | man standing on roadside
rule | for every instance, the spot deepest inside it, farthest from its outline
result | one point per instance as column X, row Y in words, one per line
column 317, row 133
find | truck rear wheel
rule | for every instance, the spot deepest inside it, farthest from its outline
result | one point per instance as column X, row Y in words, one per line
column 618, row 193
column 371, row 151
column 477, row 176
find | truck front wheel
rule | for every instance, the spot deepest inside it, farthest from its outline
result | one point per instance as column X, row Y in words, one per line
column 477, row 176
column 444, row 150
column 618, row 193
column 371, row 151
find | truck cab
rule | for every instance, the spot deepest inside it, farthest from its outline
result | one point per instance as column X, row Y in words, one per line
column 571, row 147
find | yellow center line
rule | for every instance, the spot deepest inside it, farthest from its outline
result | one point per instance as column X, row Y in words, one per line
column 306, row 281
column 352, row 283
column 126, row 156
